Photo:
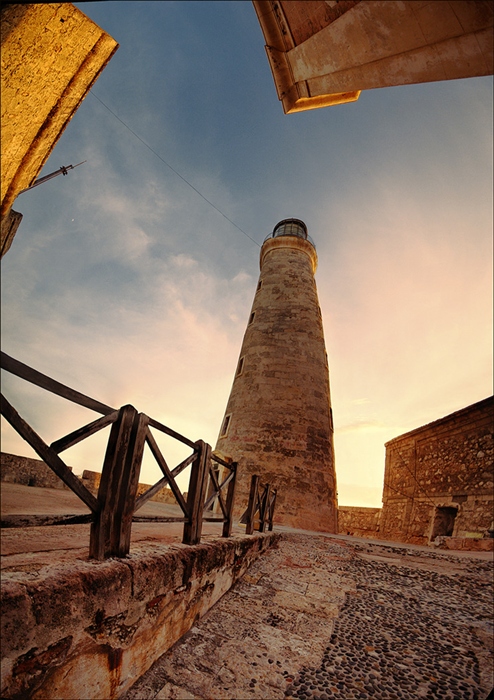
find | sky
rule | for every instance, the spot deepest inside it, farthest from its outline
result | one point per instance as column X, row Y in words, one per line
column 125, row 284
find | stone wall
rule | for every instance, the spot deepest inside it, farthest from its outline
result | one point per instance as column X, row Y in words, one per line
column 91, row 481
column 471, row 544
column 51, row 56
column 28, row 472
column 8, row 228
column 359, row 521
column 439, row 478
column 91, row 629
column 34, row 472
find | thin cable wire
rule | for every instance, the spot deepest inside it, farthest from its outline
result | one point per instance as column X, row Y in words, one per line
column 173, row 170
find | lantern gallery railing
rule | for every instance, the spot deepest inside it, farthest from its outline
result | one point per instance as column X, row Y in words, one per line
column 114, row 508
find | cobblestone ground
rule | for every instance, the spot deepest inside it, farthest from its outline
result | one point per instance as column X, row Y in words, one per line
column 322, row 618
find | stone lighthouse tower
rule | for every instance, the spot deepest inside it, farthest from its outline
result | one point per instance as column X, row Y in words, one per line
column 278, row 420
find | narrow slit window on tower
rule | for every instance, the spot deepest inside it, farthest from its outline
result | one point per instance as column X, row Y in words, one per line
column 259, row 285
column 240, row 367
column 252, row 317
column 226, row 425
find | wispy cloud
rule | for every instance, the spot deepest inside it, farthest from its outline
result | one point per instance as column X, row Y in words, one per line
column 123, row 283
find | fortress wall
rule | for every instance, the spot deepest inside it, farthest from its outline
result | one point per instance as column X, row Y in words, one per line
column 28, row 472
column 359, row 521
column 446, row 464
column 34, row 472
column 91, row 481
column 88, row 629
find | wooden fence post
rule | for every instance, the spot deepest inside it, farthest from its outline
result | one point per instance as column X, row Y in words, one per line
column 111, row 528
column 230, row 496
column 251, row 508
column 263, row 508
column 271, row 510
column 195, row 495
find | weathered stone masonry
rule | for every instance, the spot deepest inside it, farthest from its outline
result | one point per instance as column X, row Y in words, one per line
column 439, row 478
column 27, row 471
column 278, row 421
column 15, row 469
column 359, row 521
column 83, row 629
column 51, row 56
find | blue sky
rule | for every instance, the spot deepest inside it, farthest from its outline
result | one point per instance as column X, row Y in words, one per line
column 125, row 284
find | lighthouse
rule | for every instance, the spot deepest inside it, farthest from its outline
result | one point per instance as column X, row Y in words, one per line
column 278, row 420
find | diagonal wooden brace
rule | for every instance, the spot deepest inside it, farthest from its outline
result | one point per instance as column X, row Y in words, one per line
column 48, row 455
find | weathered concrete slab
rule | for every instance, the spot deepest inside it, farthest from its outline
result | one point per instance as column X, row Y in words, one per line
column 328, row 617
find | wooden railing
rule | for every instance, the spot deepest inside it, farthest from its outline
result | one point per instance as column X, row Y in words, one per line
column 113, row 509
column 260, row 510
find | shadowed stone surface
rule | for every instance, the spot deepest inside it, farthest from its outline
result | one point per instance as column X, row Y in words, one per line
column 325, row 617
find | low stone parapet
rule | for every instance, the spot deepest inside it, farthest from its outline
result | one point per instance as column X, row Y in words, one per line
column 89, row 629
column 471, row 544
column 27, row 471
column 359, row 521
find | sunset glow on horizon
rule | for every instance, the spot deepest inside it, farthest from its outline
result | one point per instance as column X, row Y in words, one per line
column 126, row 285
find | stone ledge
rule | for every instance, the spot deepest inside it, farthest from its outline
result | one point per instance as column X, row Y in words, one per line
column 90, row 629
column 471, row 544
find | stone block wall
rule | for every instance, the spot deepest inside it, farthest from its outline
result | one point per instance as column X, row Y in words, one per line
column 51, row 56
column 33, row 472
column 91, row 481
column 90, row 629
column 359, row 521
column 8, row 228
column 439, row 478
column 28, row 472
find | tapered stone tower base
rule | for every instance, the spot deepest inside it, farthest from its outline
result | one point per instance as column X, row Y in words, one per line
column 278, row 420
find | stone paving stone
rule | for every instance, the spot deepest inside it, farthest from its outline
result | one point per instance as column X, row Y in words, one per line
column 325, row 619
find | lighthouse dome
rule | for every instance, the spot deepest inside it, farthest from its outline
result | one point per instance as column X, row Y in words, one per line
column 290, row 227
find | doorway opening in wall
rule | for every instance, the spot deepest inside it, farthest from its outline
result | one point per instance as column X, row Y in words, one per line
column 444, row 522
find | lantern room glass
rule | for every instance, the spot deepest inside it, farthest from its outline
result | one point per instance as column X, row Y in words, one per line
column 290, row 227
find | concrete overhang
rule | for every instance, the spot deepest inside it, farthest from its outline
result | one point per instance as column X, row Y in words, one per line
column 323, row 52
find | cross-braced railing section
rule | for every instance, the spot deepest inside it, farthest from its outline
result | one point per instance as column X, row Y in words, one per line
column 191, row 508
column 260, row 510
column 50, row 453
column 204, row 483
column 221, row 492
column 114, row 508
